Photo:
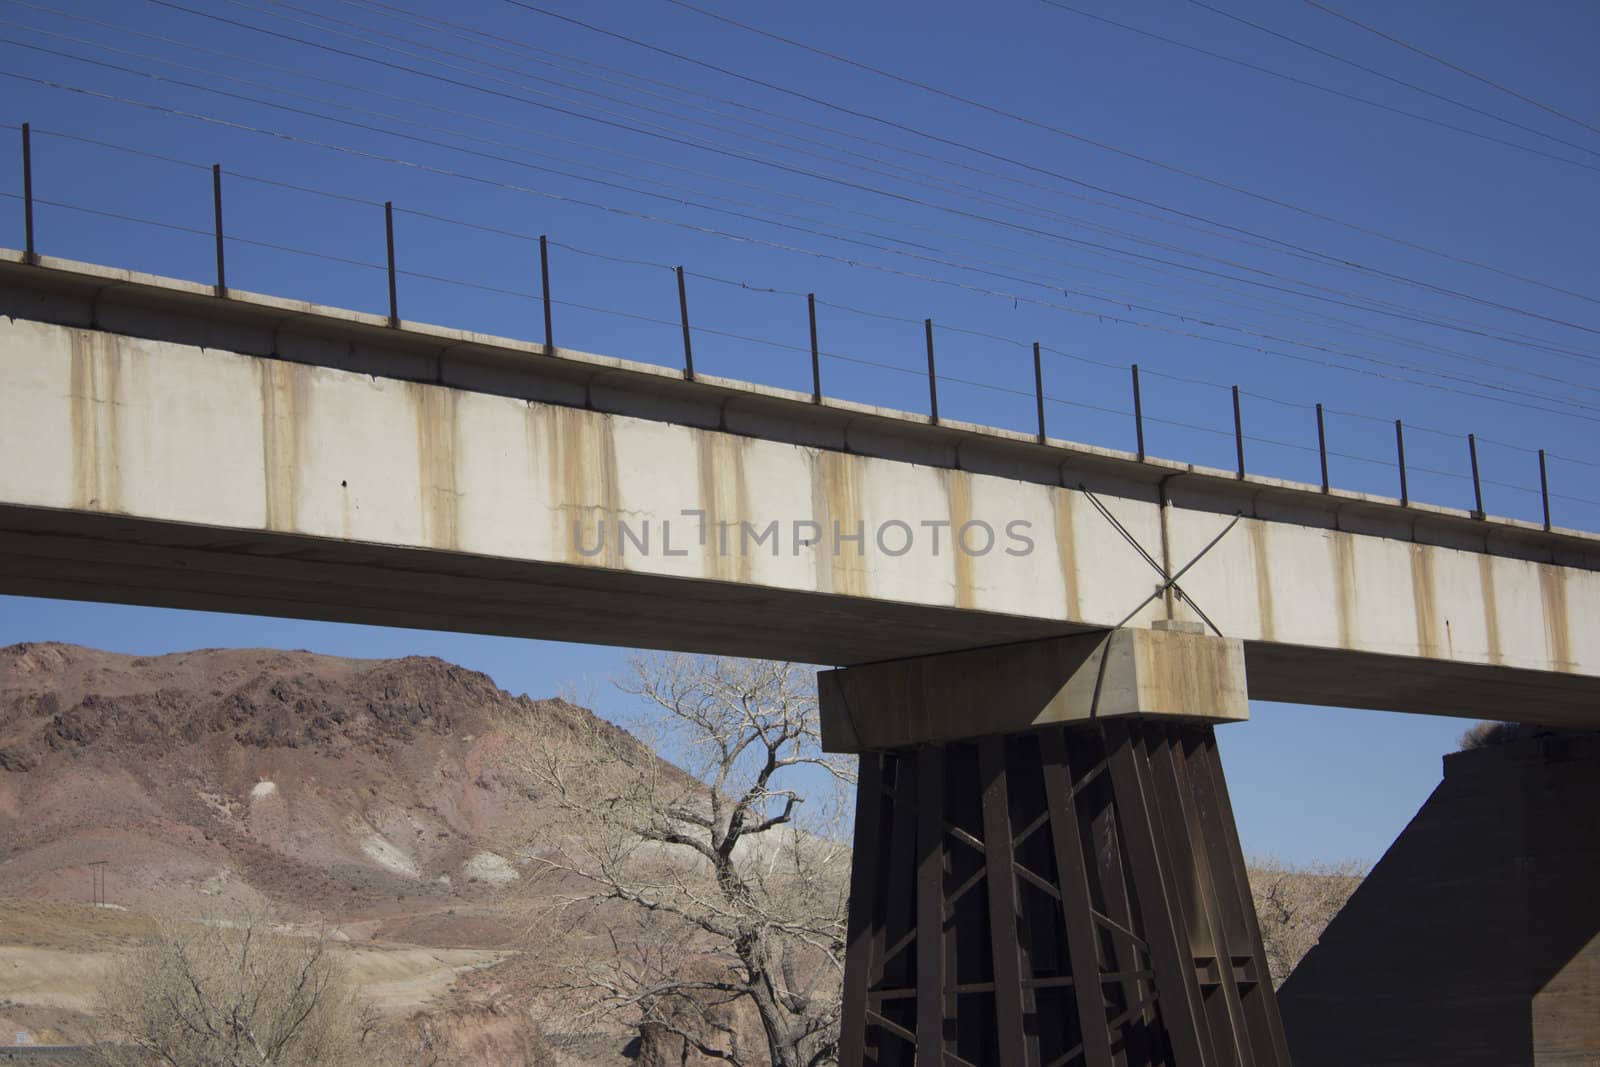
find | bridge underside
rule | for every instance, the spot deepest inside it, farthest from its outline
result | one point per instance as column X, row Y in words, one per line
column 78, row 555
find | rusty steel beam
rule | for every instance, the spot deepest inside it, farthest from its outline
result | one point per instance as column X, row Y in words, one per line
column 1065, row 896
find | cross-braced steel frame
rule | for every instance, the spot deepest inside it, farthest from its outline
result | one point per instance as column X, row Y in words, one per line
column 1068, row 896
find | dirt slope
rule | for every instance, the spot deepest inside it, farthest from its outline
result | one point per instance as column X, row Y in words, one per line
column 365, row 795
column 346, row 789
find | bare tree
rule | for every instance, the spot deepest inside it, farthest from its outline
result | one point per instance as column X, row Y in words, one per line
column 707, row 905
column 1295, row 903
column 229, row 993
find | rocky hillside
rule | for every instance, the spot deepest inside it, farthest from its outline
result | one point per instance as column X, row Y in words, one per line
column 332, row 786
column 362, row 794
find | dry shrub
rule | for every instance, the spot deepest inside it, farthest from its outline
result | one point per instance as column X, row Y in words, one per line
column 1295, row 903
column 229, row 993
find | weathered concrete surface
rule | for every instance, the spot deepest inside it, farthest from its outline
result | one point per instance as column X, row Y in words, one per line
column 1009, row 688
column 1475, row 941
column 165, row 446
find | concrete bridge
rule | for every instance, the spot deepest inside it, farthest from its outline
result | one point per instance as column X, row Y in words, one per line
column 267, row 456
column 168, row 445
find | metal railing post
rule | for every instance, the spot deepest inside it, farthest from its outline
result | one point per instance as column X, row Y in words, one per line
column 933, row 377
column 31, row 255
column 683, row 314
column 216, row 212
column 816, row 354
column 1477, row 486
column 1322, row 448
column 1400, row 449
column 1138, row 413
column 1038, row 389
column 1238, row 431
column 388, row 233
column 544, row 288
column 1544, row 489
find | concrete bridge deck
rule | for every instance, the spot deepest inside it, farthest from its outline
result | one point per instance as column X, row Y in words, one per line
column 166, row 446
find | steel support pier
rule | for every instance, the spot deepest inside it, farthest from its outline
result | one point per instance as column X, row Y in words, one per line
column 1047, row 871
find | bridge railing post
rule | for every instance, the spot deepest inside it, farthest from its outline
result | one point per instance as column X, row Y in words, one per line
column 1322, row 448
column 1138, row 413
column 1038, row 389
column 216, row 214
column 1477, row 486
column 388, row 231
column 1544, row 489
column 1400, row 450
column 683, row 314
column 1238, row 431
column 544, row 288
column 30, row 254
column 816, row 354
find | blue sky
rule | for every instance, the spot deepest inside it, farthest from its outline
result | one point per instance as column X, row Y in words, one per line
column 1213, row 223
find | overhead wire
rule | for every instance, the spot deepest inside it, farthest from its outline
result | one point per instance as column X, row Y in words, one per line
column 1295, row 79
column 1078, row 221
column 1012, row 176
column 1375, row 72
column 848, row 183
column 744, row 215
column 1050, row 286
column 1455, row 67
column 1008, row 175
column 814, row 253
column 1518, row 339
column 1016, row 117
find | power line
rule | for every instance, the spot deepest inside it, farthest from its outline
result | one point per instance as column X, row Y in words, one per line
column 1414, row 87
column 1010, row 175
column 1544, row 346
column 1048, row 286
column 853, row 262
column 1219, row 183
column 848, row 183
column 1455, row 67
column 1032, row 231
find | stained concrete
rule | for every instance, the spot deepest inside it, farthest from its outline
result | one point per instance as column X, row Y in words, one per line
column 1161, row 673
column 260, row 455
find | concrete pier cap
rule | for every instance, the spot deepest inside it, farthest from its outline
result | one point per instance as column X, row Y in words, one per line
column 1173, row 670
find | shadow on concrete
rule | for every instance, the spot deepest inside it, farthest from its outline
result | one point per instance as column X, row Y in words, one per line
column 1473, row 941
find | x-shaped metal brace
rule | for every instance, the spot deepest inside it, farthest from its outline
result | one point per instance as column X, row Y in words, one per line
column 1168, row 581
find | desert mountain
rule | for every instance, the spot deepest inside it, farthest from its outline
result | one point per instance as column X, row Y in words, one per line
column 328, row 786
column 361, row 795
